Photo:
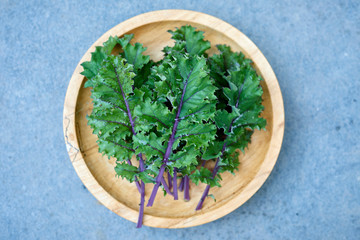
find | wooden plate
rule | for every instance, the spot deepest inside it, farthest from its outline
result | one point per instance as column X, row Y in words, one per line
column 121, row 197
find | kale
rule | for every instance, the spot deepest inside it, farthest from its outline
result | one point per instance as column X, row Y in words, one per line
column 174, row 114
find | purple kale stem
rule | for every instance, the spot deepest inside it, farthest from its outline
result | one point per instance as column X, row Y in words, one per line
column 169, row 147
column 175, row 185
column 166, row 187
column 136, row 180
column 141, row 207
column 203, row 163
column 214, row 172
column 169, row 180
column 142, row 193
column 181, row 186
column 186, row 188
column 156, row 186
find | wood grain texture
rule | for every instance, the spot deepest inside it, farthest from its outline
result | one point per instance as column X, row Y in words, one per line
column 120, row 196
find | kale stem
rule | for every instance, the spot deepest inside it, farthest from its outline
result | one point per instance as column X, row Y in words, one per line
column 203, row 162
column 181, row 186
column 166, row 187
column 169, row 180
column 214, row 172
column 141, row 207
column 142, row 193
column 175, row 184
column 156, row 186
column 202, row 199
column 136, row 180
column 186, row 188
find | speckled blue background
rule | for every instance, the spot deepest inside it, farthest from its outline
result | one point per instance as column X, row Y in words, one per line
column 314, row 190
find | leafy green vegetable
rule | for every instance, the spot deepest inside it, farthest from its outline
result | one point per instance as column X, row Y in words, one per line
column 185, row 82
column 132, row 53
column 111, row 78
column 239, row 115
column 174, row 114
column 188, row 40
column 113, row 97
column 92, row 67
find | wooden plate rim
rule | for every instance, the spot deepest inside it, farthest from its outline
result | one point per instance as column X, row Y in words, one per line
column 249, row 190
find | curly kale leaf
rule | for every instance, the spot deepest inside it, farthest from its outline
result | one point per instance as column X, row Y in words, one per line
column 186, row 127
column 185, row 83
column 238, row 114
column 131, row 173
column 92, row 67
column 239, row 107
column 117, row 86
column 204, row 175
column 113, row 101
column 188, row 40
column 133, row 54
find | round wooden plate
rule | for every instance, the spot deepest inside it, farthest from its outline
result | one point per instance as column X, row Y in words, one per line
column 121, row 197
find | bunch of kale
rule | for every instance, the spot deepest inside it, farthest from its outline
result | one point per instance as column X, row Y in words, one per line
column 175, row 114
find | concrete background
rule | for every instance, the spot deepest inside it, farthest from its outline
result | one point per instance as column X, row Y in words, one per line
column 314, row 190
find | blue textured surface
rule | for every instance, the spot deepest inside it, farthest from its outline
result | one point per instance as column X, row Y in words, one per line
column 314, row 190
